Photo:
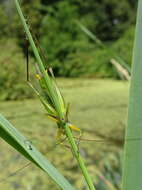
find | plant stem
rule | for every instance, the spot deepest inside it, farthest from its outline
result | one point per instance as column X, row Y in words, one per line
column 38, row 58
column 68, row 132
column 78, row 157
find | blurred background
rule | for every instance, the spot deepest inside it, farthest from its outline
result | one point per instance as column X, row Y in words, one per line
column 89, row 46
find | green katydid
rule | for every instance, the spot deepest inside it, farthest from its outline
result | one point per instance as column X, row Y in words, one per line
column 46, row 100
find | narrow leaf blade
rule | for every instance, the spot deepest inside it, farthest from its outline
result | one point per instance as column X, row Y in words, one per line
column 13, row 137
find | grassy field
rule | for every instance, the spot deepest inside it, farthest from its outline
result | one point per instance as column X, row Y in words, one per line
column 101, row 108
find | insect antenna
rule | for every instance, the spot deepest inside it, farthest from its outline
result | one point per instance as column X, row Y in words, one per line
column 4, row 180
column 27, row 44
column 108, row 140
column 27, row 58
column 41, row 50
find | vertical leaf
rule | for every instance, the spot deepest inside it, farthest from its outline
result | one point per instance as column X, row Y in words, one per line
column 132, row 176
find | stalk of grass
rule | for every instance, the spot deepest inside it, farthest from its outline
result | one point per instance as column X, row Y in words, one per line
column 54, row 103
column 132, row 174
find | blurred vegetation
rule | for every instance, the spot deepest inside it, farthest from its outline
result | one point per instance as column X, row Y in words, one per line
column 100, row 114
column 13, row 72
column 123, row 46
column 67, row 49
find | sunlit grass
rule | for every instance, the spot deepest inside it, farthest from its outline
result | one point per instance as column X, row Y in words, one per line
column 103, row 104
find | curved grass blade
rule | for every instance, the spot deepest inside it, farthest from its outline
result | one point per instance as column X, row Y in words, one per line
column 13, row 137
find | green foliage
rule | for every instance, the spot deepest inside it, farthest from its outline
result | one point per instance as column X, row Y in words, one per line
column 62, row 39
column 13, row 73
column 9, row 22
column 124, row 46
column 121, row 48
column 108, row 19
column 104, row 67
column 3, row 22
column 70, row 52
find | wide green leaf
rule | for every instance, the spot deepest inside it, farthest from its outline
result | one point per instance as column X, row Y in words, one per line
column 13, row 137
column 132, row 175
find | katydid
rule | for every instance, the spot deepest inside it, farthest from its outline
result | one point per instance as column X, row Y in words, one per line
column 45, row 99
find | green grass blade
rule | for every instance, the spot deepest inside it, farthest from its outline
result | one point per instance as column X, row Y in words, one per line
column 13, row 137
column 101, row 44
column 90, row 34
column 132, row 175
